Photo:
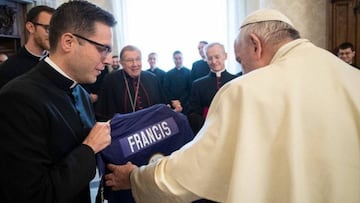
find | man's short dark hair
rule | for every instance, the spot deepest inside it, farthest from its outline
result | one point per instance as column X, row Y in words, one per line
column 33, row 14
column 177, row 52
column 128, row 48
column 77, row 17
column 346, row 45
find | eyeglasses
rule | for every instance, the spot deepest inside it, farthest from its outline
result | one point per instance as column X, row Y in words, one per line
column 131, row 60
column 46, row 27
column 103, row 49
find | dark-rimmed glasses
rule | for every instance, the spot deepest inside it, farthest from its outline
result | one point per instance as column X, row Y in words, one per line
column 132, row 60
column 102, row 48
column 46, row 27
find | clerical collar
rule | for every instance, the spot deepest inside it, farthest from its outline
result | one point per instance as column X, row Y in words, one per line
column 53, row 65
column 44, row 55
column 218, row 73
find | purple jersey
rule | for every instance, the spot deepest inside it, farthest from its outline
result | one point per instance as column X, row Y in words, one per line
column 142, row 137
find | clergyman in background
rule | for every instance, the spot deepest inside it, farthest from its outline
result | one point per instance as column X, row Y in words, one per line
column 200, row 67
column 35, row 48
column 346, row 52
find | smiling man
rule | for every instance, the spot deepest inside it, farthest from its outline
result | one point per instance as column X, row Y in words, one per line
column 49, row 137
column 346, row 52
column 204, row 89
column 129, row 89
column 37, row 28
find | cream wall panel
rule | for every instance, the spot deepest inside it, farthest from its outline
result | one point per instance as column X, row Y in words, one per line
column 309, row 17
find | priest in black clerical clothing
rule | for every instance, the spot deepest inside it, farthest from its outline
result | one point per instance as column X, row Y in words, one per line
column 35, row 48
column 160, row 74
column 204, row 89
column 49, row 136
column 177, row 82
column 200, row 67
column 129, row 89
column 121, row 93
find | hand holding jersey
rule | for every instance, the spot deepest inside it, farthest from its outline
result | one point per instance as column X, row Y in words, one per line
column 119, row 178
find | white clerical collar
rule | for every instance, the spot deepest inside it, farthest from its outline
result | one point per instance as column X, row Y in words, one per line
column 52, row 64
column 218, row 73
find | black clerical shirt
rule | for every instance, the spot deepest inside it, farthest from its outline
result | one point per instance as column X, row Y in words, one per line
column 41, row 150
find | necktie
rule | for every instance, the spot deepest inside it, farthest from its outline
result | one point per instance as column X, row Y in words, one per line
column 86, row 117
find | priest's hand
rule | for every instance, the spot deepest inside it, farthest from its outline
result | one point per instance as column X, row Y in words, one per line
column 119, row 178
column 99, row 136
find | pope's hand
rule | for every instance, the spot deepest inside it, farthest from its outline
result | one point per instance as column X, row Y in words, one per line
column 119, row 178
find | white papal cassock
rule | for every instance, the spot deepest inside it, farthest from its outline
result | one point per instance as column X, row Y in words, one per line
column 288, row 132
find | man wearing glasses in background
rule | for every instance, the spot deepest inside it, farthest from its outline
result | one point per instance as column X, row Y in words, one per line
column 37, row 28
column 129, row 89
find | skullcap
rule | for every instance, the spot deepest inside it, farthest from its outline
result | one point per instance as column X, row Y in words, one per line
column 263, row 15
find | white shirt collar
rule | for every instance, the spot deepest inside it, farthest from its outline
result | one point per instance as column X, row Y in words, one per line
column 218, row 73
column 53, row 65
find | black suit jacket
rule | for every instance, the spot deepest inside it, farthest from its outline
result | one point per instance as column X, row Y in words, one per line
column 177, row 85
column 16, row 65
column 114, row 97
column 199, row 69
column 160, row 74
column 203, row 91
column 41, row 154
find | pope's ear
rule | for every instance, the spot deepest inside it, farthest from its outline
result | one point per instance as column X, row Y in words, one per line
column 256, row 45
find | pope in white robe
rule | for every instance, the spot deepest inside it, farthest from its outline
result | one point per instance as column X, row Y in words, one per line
column 286, row 131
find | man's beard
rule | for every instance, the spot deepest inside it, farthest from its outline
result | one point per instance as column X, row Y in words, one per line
column 43, row 44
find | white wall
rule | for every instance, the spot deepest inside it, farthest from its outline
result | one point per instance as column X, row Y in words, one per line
column 309, row 17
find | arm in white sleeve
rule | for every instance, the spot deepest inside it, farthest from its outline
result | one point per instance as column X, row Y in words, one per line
column 153, row 184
